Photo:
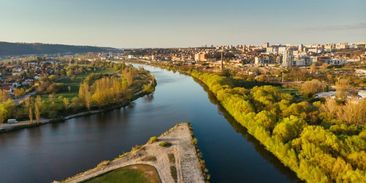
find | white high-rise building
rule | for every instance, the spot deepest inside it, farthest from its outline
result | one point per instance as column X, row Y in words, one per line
column 282, row 50
column 287, row 58
column 301, row 48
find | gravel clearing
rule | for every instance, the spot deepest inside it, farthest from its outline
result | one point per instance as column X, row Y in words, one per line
column 186, row 159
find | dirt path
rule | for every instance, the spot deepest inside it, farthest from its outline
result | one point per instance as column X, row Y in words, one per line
column 181, row 155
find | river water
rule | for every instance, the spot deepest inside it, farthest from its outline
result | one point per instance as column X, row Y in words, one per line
column 56, row 151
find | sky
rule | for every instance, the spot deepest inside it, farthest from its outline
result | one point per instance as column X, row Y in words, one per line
column 182, row 23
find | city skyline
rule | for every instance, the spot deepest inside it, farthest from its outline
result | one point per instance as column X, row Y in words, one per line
column 140, row 24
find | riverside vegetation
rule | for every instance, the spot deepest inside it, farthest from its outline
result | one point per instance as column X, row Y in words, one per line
column 320, row 140
column 306, row 136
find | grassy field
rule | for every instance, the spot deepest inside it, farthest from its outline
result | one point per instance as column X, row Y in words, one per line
column 74, row 84
column 129, row 174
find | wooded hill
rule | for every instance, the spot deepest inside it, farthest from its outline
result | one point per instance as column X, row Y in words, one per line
column 14, row 49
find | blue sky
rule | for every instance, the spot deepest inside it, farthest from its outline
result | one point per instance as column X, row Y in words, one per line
column 172, row 23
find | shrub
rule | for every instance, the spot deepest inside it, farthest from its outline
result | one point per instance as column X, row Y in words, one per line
column 194, row 141
column 103, row 164
column 173, row 172
column 165, row 144
column 171, row 158
column 153, row 139
column 309, row 88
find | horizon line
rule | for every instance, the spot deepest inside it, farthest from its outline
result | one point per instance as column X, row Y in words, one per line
column 177, row 47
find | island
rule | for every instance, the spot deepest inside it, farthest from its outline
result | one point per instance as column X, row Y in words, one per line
column 170, row 157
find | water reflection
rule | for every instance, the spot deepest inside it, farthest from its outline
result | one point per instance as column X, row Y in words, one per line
column 149, row 98
column 253, row 141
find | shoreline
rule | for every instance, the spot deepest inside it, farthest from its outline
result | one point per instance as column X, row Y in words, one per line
column 183, row 148
column 248, row 129
column 4, row 128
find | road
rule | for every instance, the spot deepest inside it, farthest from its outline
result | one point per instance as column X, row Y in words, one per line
column 23, row 98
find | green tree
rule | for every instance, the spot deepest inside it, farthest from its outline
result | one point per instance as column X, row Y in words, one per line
column 3, row 113
column 37, row 108
column 266, row 119
column 309, row 88
column 342, row 87
column 288, row 129
column 66, row 103
column 29, row 106
column 85, row 94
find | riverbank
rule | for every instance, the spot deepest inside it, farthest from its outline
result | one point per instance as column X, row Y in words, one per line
column 247, row 106
column 92, row 139
column 236, row 101
column 27, row 124
column 173, row 154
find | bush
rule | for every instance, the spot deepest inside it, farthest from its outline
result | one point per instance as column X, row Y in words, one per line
column 194, row 141
column 171, row 158
column 309, row 88
column 103, row 164
column 288, row 128
column 136, row 147
column 173, row 172
column 153, row 139
column 165, row 144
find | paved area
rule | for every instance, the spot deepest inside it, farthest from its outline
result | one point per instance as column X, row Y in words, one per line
column 185, row 159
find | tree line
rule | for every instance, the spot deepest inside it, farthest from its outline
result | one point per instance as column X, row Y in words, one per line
column 320, row 141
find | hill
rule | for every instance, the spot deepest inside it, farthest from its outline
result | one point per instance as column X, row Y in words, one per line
column 14, row 49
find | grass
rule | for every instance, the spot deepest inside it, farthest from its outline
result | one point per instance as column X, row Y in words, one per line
column 149, row 158
column 165, row 144
column 153, row 139
column 129, row 174
column 171, row 158
column 173, row 172
column 74, row 84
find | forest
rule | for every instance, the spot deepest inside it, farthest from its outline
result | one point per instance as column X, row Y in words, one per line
column 8, row 49
column 320, row 140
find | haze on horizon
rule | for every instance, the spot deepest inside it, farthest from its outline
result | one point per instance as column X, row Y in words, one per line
column 167, row 23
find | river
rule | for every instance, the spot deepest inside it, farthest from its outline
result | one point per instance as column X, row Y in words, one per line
column 56, row 151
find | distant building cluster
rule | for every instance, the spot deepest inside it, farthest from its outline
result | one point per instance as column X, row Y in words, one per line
column 277, row 55
column 305, row 55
